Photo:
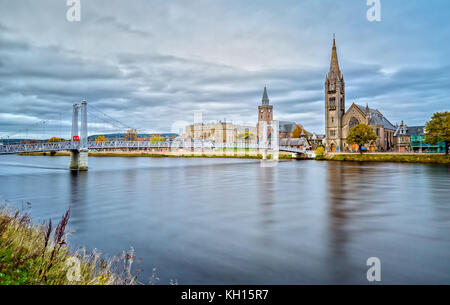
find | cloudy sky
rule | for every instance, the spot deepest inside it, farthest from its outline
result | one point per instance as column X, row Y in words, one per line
column 151, row 64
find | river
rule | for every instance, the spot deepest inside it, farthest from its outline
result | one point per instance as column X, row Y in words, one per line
column 231, row 221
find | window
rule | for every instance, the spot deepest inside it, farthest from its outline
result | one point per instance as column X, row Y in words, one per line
column 332, row 103
column 353, row 122
column 332, row 133
column 332, row 119
column 332, row 86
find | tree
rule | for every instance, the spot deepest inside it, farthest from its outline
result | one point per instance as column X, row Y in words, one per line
column 246, row 135
column 101, row 138
column 320, row 153
column 131, row 135
column 54, row 139
column 157, row 139
column 438, row 129
column 297, row 133
column 361, row 134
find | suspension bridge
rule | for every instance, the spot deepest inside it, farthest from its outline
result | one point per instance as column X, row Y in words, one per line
column 79, row 144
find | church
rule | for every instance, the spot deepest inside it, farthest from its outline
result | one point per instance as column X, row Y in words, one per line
column 338, row 122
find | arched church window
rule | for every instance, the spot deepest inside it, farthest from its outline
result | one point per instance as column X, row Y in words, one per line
column 353, row 123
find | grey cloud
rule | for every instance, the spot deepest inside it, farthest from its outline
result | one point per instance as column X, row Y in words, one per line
column 127, row 28
column 159, row 76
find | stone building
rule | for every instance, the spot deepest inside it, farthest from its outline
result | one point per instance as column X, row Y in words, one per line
column 265, row 117
column 299, row 143
column 338, row 122
column 221, row 132
column 315, row 140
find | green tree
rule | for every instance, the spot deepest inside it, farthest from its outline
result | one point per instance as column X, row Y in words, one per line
column 297, row 133
column 54, row 139
column 319, row 153
column 131, row 135
column 246, row 135
column 157, row 139
column 101, row 138
column 361, row 134
column 438, row 129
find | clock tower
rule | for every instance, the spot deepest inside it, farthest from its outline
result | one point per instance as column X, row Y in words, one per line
column 334, row 104
column 265, row 114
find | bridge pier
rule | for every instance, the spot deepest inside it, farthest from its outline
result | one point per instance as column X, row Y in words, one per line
column 74, row 157
column 275, row 155
column 83, row 160
column 264, row 154
column 79, row 152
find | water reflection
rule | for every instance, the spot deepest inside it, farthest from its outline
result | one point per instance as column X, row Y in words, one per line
column 225, row 221
column 265, row 192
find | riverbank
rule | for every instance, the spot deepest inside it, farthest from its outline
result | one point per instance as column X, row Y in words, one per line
column 38, row 255
column 209, row 154
column 384, row 157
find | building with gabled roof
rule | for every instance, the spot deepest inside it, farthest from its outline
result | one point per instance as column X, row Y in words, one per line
column 412, row 139
column 338, row 121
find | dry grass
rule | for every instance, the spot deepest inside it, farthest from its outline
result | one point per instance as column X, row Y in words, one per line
column 410, row 158
column 38, row 255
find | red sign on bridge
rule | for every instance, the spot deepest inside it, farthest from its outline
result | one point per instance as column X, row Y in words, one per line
column 76, row 138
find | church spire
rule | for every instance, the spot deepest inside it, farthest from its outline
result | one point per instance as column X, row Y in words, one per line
column 265, row 99
column 334, row 65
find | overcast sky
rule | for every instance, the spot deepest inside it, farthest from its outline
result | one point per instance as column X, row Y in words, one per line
column 150, row 64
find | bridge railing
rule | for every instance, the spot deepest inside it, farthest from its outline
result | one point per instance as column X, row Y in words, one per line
column 36, row 147
column 61, row 146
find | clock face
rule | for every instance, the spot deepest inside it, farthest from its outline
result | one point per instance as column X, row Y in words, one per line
column 262, row 110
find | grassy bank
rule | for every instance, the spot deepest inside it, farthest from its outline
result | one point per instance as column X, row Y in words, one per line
column 412, row 158
column 160, row 155
column 38, row 255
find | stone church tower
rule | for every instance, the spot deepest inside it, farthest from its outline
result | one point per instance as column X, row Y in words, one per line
column 334, row 104
column 265, row 114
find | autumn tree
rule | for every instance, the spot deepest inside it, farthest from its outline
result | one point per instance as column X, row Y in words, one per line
column 297, row 133
column 131, row 135
column 157, row 139
column 361, row 134
column 101, row 138
column 54, row 139
column 438, row 129
column 320, row 152
column 246, row 135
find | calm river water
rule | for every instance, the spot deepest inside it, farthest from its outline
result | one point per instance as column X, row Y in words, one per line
column 230, row 221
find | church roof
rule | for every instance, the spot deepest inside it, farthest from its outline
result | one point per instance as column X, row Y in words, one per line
column 265, row 98
column 285, row 126
column 334, row 65
column 376, row 117
column 293, row 141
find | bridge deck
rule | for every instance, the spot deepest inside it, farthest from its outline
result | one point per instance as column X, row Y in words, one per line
column 67, row 146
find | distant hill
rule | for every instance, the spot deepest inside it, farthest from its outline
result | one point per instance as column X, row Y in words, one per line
column 93, row 137
column 121, row 135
